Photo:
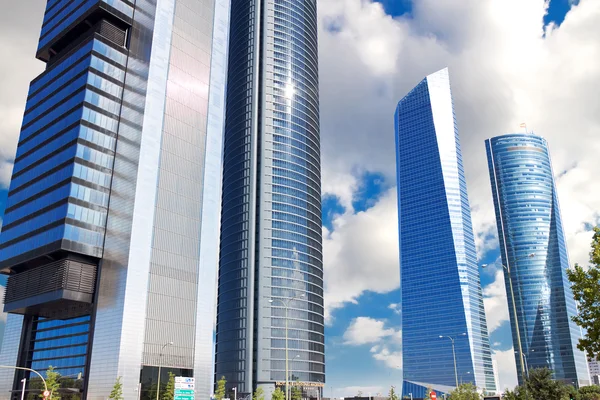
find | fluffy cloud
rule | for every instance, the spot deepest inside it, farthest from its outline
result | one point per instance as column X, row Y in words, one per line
column 362, row 253
column 495, row 302
column 506, row 68
column 19, row 30
column 388, row 341
column 365, row 330
column 396, row 307
column 392, row 358
column 507, row 369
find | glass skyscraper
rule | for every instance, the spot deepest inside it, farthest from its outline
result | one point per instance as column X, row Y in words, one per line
column 270, row 268
column 442, row 301
column 109, row 235
column 529, row 223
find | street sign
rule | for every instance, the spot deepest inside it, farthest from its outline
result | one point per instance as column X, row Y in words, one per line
column 184, row 388
column 433, row 395
column 184, row 385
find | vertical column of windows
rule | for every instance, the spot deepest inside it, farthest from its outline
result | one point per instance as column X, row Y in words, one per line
column 295, row 207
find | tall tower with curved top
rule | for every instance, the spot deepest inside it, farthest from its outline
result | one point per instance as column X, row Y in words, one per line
column 533, row 246
column 270, row 269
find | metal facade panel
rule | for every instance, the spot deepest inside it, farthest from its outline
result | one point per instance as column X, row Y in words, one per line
column 211, row 203
column 118, row 338
column 172, row 304
column 10, row 350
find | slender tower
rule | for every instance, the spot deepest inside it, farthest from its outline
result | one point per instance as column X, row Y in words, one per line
column 109, row 235
column 534, row 250
column 442, row 303
column 270, row 302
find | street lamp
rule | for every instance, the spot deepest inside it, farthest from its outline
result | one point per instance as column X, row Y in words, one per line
column 23, row 381
column 286, row 305
column 453, row 355
column 159, row 366
column 515, row 315
column 526, row 362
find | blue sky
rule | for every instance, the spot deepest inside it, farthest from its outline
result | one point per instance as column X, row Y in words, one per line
column 366, row 64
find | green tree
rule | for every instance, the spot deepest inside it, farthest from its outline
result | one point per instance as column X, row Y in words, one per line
column 517, row 394
column 278, row 394
column 117, row 390
column 466, row 391
column 259, row 394
column 586, row 290
column 570, row 393
column 220, row 392
column 393, row 395
column 589, row 392
column 52, row 383
column 169, row 393
column 296, row 392
column 540, row 385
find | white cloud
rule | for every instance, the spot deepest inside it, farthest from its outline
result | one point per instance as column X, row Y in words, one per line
column 505, row 69
column 362, row 253
column 392, row 358
column 397, row 308
column 507, row 369
column 365, row 330
column 495, row 302
column 19, row 32
column 387, row 341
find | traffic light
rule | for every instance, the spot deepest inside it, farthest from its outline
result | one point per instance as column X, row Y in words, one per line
column 571, row 396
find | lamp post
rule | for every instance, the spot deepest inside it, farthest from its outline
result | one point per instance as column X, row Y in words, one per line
column 515, row 315
column 30, row 370
column 159, row 366
column 286, row 305
column 23, row 381
column 453, row 355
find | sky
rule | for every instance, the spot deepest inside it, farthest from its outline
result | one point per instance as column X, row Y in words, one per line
column 510, row 61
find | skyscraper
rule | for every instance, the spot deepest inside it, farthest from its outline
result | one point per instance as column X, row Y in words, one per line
column 109, row 234
column 270, row 269
column 532, row 245
column 442, row 304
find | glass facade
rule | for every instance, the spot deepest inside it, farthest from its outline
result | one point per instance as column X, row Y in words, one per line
column 115, row 185
column 441, row 291
column 529, row 222
column 61, row 179
column 271, row 266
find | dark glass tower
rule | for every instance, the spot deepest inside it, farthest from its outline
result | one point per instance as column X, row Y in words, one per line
column 529, row 223
column 270, row 267
column 109, row 232
column 441, row 292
